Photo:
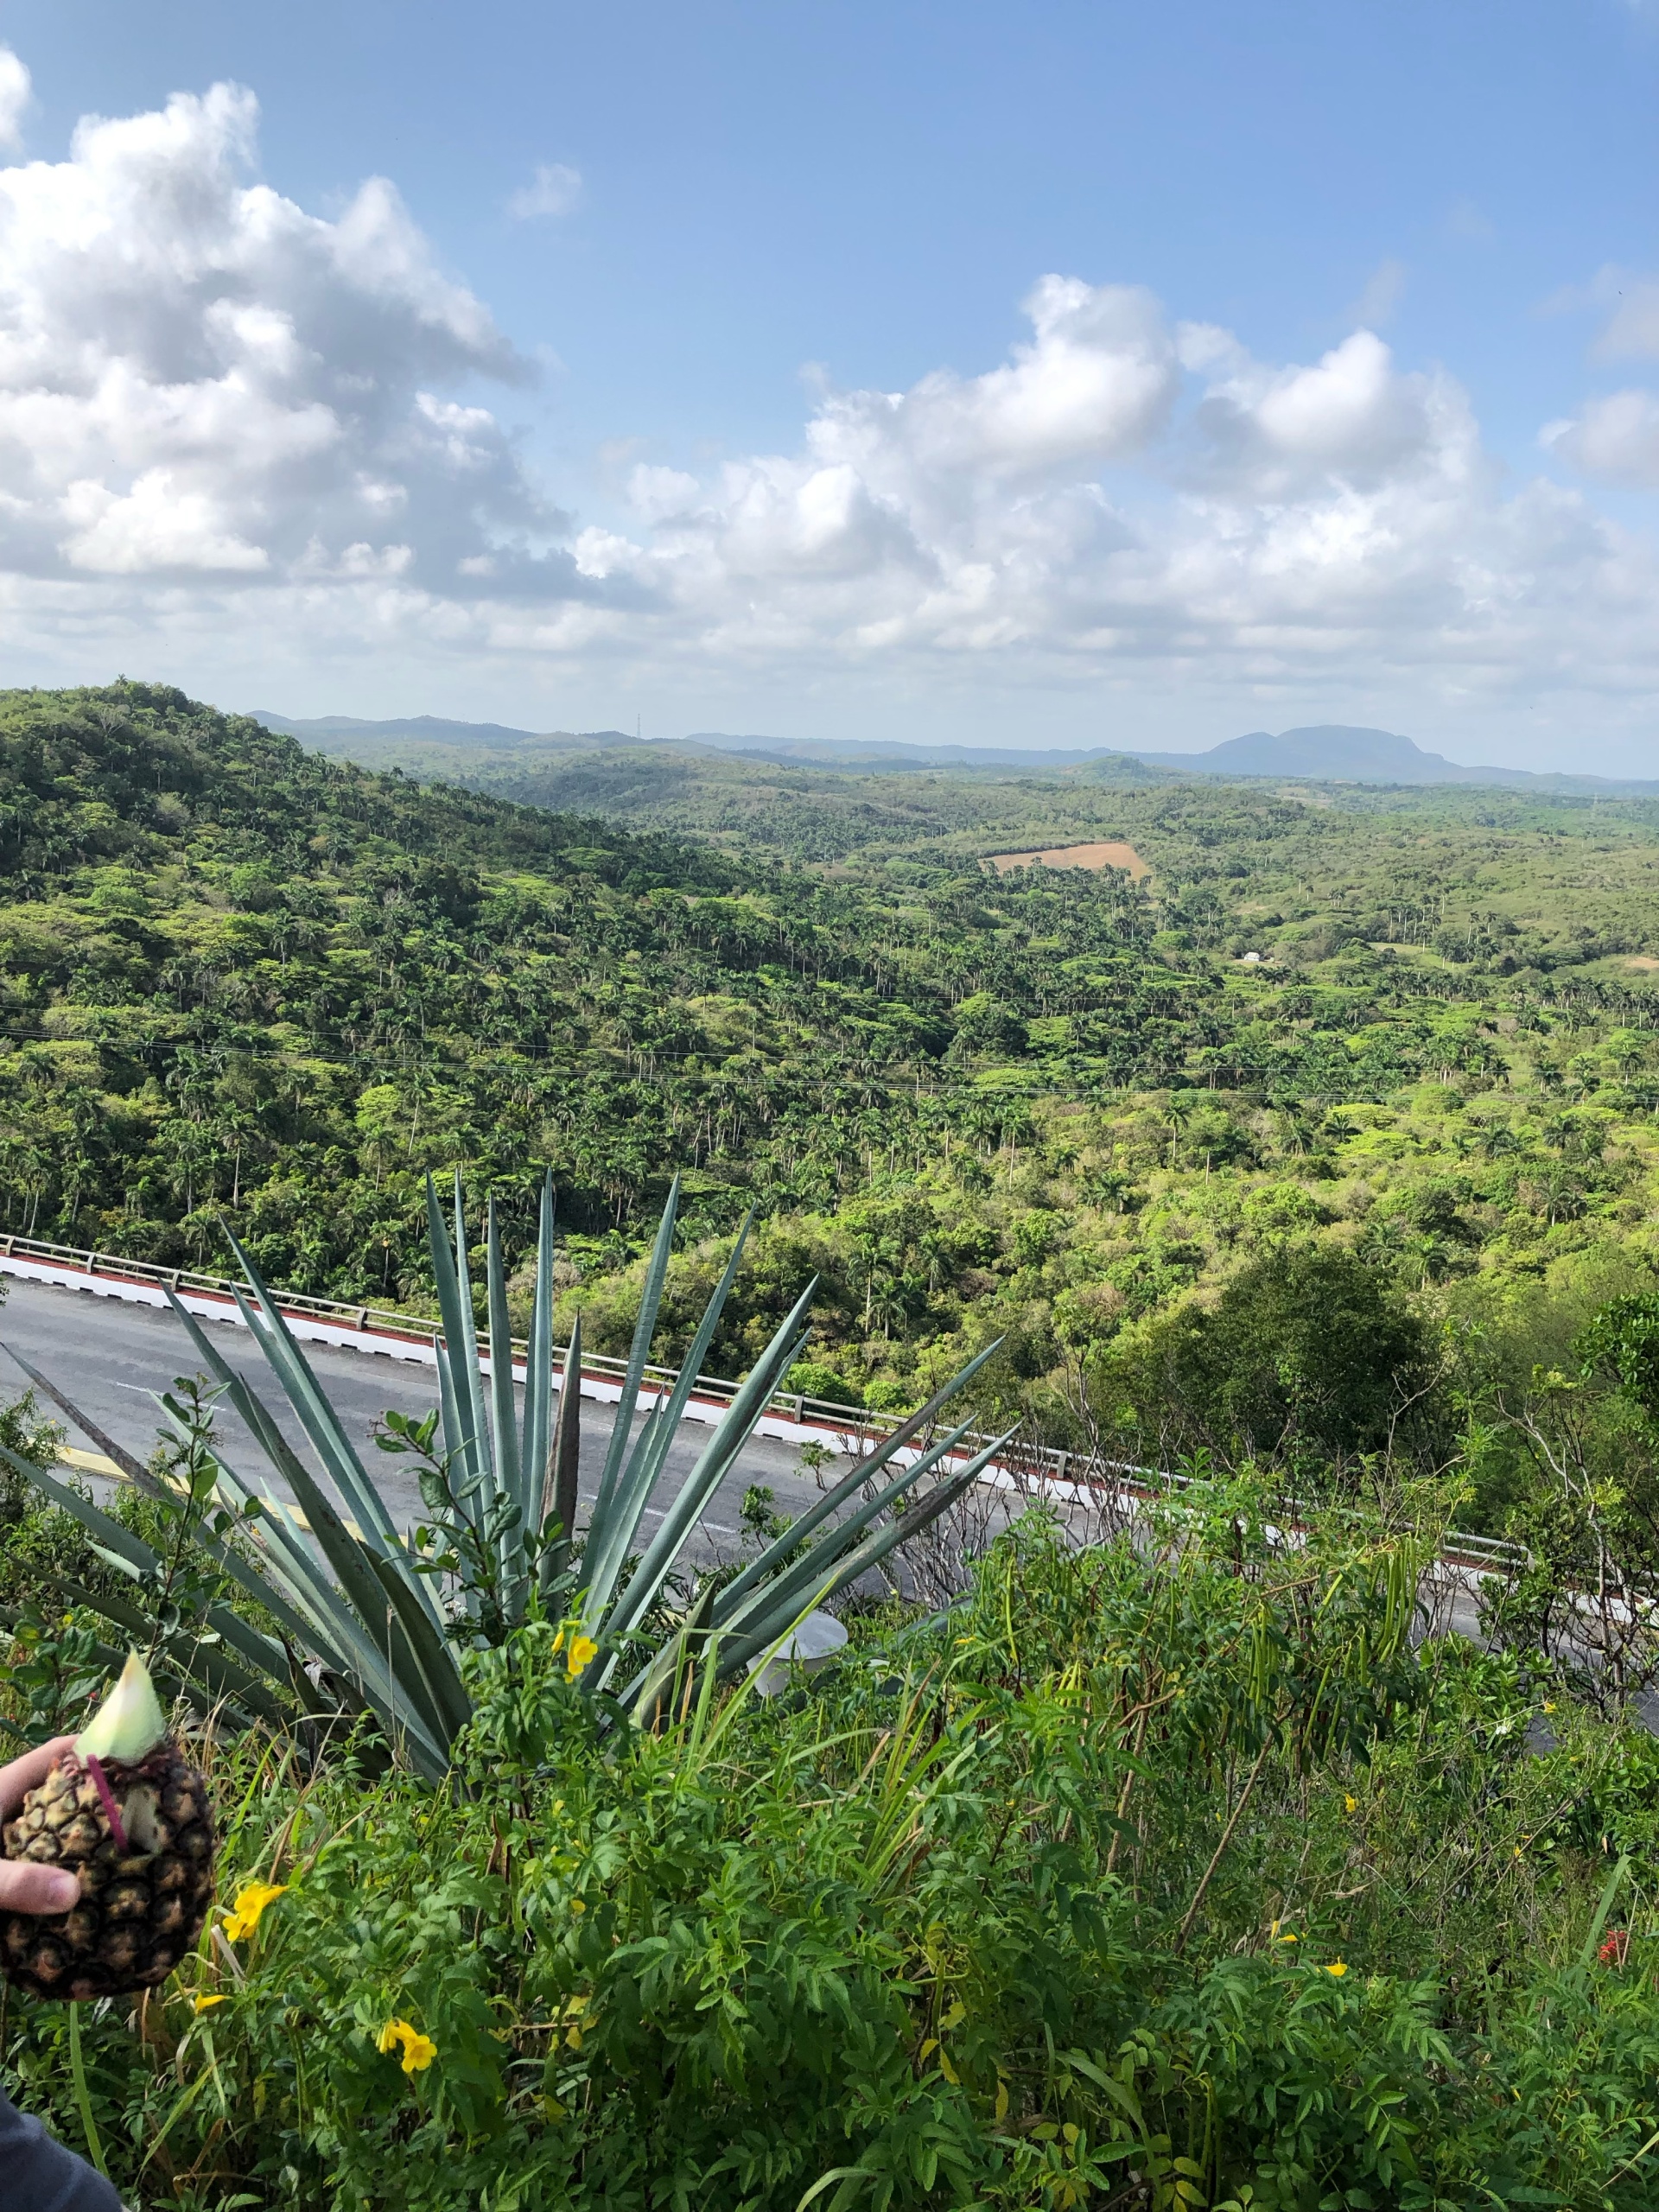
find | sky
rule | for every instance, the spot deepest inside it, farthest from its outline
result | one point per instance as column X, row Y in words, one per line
column 1075, row 374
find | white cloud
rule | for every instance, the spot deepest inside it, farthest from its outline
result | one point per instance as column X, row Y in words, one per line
column 158, row 525
column 238, row 436
column 1351, row 418
column 199, row 377
column 554, row 189
column 1615, row 435
column 16, row 92
column 1336, row 522
column 1616, row 438
column 1093, row 384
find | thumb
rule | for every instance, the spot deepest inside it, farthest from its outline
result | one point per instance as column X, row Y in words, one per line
column 24, row 1888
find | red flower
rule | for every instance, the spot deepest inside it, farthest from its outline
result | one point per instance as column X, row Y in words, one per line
column 1615, row 1948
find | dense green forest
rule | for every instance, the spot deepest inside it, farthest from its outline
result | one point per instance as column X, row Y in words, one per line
column 1410, row 1031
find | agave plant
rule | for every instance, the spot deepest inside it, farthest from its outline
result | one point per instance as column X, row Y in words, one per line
column 358, row 1601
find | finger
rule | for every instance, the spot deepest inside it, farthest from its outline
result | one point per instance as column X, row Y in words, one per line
column 23, row 1775
column 24, row 1888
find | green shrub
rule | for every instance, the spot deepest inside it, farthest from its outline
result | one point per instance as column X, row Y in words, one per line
column 1188, row 1867
column 1307, row 1349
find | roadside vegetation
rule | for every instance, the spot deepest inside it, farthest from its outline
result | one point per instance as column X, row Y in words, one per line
column 1167, row 1874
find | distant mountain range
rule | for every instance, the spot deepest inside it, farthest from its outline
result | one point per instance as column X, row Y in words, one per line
column 872, row 752
column 1323, row 752
column 1336, row 752
column 431, row 728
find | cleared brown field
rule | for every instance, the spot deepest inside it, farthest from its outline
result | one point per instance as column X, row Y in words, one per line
column 1114, row 855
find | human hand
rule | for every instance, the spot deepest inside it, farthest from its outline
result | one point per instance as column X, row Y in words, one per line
column 25, row 1887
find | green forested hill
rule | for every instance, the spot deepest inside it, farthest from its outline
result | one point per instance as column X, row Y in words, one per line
column 246, row 984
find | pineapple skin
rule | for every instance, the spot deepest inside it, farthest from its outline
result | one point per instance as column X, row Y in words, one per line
column 137, row 1915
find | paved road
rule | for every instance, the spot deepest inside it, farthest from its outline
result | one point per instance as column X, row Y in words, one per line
column 108, row 1358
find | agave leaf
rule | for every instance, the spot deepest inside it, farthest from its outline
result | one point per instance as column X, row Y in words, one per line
column 733, row 1607
column 783, row 1599
column 607, row 1548
column 134, row 1556
column 375, row 1649
column 214, row 1667
column 640, row 1351
column 334, row 1634
column 287, row 1462
column 563, row 1465
column 507, row 1515
column 662, row 1685
column 445, row 1694
column 111, row 1533
column 705, row 1478
column 458, row 1439
column 463, row 1421
column 476, row 1410
column 795, row 1535
column 504, row 1412
column 317, row 1416
column 96, row 1523
column 610, row 1536
column 358, row 1662
column 378, row 1628
column 350, row 1557
column 291, row 1585
column 538, row 1374
column 301, row 1599
column 352, row 1562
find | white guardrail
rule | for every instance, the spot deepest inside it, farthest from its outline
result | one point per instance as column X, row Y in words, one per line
column 792, row 1418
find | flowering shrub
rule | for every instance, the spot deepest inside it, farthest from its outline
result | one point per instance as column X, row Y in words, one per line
column 1128, row 1881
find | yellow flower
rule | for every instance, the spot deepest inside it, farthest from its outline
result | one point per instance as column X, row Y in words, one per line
column 419, row 2050
column 1351, row 1804
column 1337, row 1970
column 245, row 1914
column 582, row 1649
column 577, row 1906
column 1550, row 1705
column 206, row 2003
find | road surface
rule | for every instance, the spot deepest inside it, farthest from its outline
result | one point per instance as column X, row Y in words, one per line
column 110, row 1357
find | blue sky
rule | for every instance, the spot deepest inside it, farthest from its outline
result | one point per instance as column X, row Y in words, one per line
column 678, row 490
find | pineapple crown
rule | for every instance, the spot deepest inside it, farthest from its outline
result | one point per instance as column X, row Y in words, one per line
column 128, row 1723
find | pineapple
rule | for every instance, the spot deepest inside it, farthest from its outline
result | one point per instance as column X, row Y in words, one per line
column 124, row 1810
